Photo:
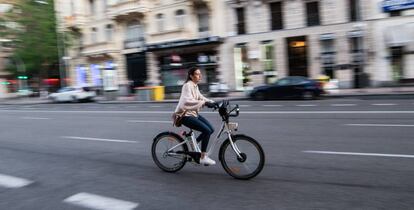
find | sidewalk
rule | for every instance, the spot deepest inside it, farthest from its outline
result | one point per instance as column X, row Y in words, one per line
column 382, row 92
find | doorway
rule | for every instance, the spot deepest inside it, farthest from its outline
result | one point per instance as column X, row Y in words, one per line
column 297, row 56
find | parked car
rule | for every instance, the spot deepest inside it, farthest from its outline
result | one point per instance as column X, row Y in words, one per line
column 73, row 94
column 289, row 87
column 218, row 89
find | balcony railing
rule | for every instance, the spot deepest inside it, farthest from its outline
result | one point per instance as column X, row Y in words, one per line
column 128, row 7
column 98, row 49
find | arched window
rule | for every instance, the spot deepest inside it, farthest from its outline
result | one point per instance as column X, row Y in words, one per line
column 160, row 22
column 180, row 18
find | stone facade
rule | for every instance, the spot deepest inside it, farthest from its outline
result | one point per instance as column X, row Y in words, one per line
column 153, row 42
column 335, row 23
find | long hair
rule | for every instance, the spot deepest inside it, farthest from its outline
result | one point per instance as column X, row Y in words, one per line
column 191, row 71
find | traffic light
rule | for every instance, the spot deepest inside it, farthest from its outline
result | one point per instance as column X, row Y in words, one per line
column 5, row 83
column 22, row 77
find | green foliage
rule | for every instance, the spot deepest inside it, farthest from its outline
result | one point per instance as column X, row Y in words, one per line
column 36, row 37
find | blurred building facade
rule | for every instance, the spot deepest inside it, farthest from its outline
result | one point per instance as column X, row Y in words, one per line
column 244, row 43
column 6, row 48
column 133, row 43
column 358, row 42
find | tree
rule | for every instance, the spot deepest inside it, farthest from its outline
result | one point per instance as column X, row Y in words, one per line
column 35, row 37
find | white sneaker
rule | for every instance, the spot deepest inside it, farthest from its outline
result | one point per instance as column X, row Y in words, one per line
column 207, row 161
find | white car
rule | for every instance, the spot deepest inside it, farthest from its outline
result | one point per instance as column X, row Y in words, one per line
column 73, row 94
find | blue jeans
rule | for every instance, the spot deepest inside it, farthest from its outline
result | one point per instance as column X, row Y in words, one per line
column 200, row 124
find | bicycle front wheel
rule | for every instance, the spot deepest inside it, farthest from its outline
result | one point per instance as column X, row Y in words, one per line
column 166, row 158
column 251, row 160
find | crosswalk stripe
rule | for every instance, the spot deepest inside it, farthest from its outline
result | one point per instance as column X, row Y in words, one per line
column 13, row 182
column 99, row 202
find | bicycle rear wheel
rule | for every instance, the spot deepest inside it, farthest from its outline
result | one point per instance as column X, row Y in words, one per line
column 252, row 157
column 173, row 160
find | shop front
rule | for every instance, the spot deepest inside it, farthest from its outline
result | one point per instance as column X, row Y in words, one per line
column 175, row 58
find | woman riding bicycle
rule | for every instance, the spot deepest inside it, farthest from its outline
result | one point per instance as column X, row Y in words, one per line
column 191, row 101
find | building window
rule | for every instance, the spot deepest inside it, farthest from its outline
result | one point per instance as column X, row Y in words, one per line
column 72, row 7
column 180, row 18
column 241, row 25
column 328, row 57
column 312, row 12
column 134, row 35
column 160, row 22
column 94, row 35
column 395, row 13
column 357, row 50
column 267, row 58
column 203, row 20
column 354, row 10
column 109, row 32
column 134, row 31
column 276, row 15
column 92, row 7
column 241, row 66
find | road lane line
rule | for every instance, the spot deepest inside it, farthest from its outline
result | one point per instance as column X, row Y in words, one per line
column 98, row 139
column 383, row 104
column 13, row 182
column 359, row 154
column 35, row 118
column 272, row 105
column 244, row 105
column 155, row 106
column 380, row 125
column 148, row 121
column 93, row 201
column 305, row 105
column 343, row 104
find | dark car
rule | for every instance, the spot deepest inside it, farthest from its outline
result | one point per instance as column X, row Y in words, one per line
column 289, row 87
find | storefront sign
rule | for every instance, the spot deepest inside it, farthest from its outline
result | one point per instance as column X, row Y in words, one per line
column 183, row 43
column 394, row 5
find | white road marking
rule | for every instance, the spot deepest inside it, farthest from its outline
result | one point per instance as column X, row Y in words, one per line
column 155, row 106
column 360, row 154
column 244, row 105
column 383, row 104
column 272, row 105
column 306, row 105
column 35, row 118
column 148, row 121
column 213, row 113
column 343, row 104
column 380, row 125
column 13, row 182
column 98, row 139
column 88, row 200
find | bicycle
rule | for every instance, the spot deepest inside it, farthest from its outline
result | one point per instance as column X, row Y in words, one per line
column 241, row 156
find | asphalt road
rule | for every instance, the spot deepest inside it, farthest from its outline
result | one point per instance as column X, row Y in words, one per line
column 325, row 154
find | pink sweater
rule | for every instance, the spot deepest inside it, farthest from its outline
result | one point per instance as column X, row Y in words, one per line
column 190, row 100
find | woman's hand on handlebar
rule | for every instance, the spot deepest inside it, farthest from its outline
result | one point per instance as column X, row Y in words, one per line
column 211, row 105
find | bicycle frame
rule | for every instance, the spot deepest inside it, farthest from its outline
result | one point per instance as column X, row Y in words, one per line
column 224, row 128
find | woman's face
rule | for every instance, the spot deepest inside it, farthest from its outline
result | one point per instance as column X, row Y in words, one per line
column 196, row 77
